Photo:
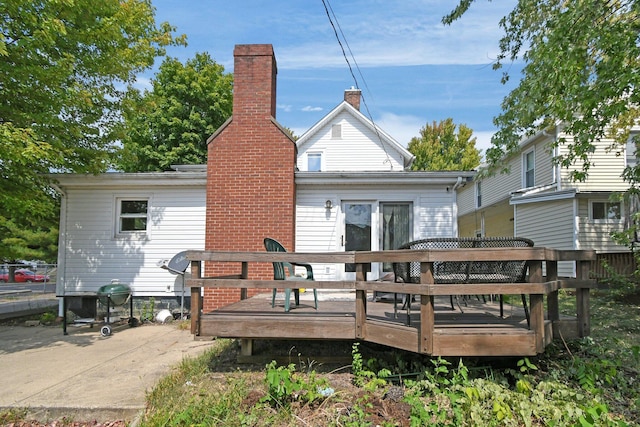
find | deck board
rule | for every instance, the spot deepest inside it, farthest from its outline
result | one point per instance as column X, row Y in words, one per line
column 478, row 324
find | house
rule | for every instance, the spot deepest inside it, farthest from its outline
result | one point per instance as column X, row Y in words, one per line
column 342, row 186
column 538, row 200
column 354, row 191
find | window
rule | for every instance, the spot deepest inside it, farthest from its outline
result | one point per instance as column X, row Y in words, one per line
column 132, row 215
column 478, row 194
column 336, row 131
column 528, row 169
column 605, row 211
column 314, row 162
column 396, row 227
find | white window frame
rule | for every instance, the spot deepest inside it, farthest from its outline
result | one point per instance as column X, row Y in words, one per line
column 526, row 171
column 318, row 154
column 606, row 203
column 478, row 194
column 119, row 232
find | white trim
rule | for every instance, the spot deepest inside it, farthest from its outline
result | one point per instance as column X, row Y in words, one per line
column 576, row 224
column 604, row 220
column 314, row 153
column 117, row 204
column 525, row 170
column 380, row 178
column 146, row 179
column 62, row 249
column 543, row 197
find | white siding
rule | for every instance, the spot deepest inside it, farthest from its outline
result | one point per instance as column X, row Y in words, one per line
column 320, row 230
column 597, row 235
column 94, row 255
column 359, row 149
column 549, row 224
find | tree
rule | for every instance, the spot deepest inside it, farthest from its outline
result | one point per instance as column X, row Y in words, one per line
column 582, row 70
column 439, row 147
column 63, row 68
column 170, row 123
column 582, row 64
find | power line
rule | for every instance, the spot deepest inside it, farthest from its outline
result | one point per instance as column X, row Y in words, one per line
column 327, row 8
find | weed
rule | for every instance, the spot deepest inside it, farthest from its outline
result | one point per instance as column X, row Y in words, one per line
column 284, row 386
column 364, row 376
column 11, row 416
column 148, row 309
column 47, row 318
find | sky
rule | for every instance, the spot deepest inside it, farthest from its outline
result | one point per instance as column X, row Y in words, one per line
column 412, row 69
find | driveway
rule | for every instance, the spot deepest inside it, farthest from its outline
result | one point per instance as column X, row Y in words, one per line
column 84, row 375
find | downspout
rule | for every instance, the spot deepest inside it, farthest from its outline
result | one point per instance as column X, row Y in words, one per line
column 558, row 169
column 459, row 183
column 62, row 239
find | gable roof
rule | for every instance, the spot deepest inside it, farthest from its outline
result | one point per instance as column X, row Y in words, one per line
column 344, row 106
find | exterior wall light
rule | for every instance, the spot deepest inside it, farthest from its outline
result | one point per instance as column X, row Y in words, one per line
column 328, row 204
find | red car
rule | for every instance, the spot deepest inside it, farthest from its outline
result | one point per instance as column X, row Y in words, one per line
column 22, row 275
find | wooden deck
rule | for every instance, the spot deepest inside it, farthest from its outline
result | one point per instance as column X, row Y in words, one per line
column 434, row 329
column 254, row 318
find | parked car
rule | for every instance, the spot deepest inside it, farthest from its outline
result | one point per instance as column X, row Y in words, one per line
column 22, row 275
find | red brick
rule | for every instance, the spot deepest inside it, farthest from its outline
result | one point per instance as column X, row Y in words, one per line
column 251, row 167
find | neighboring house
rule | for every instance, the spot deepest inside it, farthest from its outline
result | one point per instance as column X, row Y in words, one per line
column 341, row 186
column 536, row 198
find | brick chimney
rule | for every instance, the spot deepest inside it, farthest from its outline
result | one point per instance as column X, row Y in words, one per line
column 250, row 174
column 352, row 96
column 254, row 77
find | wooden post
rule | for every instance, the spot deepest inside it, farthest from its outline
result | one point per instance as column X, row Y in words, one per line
column 582, row 300
column 196, row 299
column 553, row 308
column 427, row 310
column 246, row 344
column 245, row 275
column 361, row 303
column 536, row 312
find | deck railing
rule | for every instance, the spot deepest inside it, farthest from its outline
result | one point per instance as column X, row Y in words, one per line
column 538, row 287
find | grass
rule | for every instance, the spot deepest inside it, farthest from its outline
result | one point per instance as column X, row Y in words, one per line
column 588, row 382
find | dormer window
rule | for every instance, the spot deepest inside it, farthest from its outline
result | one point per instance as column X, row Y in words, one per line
column 336, row 132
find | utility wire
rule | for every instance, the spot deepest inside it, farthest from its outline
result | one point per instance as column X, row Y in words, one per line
column 327, row 8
